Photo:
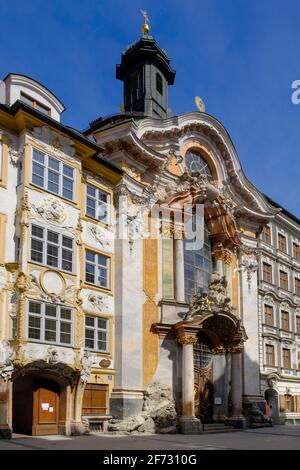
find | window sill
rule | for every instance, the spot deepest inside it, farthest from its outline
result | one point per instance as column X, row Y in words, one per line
column 89, row 218
column 59, row 345
column 52, row 268
column 87, row 285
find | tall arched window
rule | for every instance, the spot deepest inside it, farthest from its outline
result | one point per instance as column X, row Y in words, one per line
column 197, row 259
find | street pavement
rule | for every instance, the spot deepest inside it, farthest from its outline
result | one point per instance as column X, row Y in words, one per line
column 275, row 438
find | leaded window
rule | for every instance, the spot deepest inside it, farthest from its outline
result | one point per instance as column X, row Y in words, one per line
column 202, row 352
column 196, row 163
column 197, row 260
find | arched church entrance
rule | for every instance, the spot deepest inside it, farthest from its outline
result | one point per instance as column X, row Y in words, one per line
column 203, row 367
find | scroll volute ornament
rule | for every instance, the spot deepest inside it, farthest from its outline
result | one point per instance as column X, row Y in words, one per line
column 221, row 226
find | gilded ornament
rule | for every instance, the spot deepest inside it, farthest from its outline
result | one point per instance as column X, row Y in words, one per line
column 187, row 340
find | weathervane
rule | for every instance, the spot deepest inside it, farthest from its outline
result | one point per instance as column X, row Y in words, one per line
column 146, row 25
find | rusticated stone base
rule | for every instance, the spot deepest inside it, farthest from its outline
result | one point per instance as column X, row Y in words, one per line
column 190, row 425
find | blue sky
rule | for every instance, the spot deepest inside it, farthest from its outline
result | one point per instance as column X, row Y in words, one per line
column 240, row 56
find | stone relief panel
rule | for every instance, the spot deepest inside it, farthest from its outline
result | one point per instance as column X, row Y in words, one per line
column 52, row 211
column 55, row 143
column 48, row 353
column 51, row 286
column 96, row 302
column 97, row 236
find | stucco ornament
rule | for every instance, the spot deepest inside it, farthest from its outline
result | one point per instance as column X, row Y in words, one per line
column 97, row 301
column 7, row 356
column 86, row 366
column 50, row 209
column 100, row 237
column 158, row 415
column 52, row 356
column 249, row 262
column 272, row 380
column 54, row 142
column 214, row 301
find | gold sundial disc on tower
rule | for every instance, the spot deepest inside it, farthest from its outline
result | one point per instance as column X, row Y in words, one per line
column 200, row 104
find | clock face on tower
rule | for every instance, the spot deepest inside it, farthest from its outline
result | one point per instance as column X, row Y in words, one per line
column 195, row 163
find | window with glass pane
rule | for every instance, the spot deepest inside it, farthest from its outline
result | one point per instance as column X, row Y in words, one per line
column 285, row 320
column 96, row 333
column 51, row 248
column 98, row 204
column 97, row 269
column 49, row 323
column 196, row 163
column 267, row 273
column 297, row 286
column 202, row 352
column 283, row 280
column 298, row 324
column 296, row 251
column 266, row 234
column 270, row 355
column 282, row 242
column 52, row 174
column 197, row 263
column 34, row 321
column 269, row 315
column 286, row 358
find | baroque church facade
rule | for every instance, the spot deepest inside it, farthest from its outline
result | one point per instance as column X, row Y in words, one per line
column 138, row 261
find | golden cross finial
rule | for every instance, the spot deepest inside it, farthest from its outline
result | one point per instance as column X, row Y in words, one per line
column 146, row 25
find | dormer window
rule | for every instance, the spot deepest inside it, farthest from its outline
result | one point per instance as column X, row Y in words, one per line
column 35, row 104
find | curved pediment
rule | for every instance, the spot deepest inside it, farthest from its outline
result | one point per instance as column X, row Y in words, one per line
column 155, row 149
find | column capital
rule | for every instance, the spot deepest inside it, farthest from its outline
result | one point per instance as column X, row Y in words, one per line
column 219, row 350
column 220, row 253
column 187, row 340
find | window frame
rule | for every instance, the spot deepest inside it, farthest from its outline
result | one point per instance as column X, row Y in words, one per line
column 296, row 251
column 43, row 317
column 35, row 104
column 96, row 331
column 267, row 234
column 266, row 314
column 285, row 278
column 282, row 242
column 289, row 356
column 268, row 355
column 297, row 286
column 96, row 270
column 98, row 203
column 269, row 281
column 45, row 243
column 285, row 321
column 60, row 173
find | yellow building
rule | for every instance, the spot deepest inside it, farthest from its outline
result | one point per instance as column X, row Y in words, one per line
column 56, row 264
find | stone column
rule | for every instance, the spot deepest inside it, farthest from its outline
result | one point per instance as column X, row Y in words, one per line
column 219, row 381
column 189, row 424
column 236, row 415
column 179, row 269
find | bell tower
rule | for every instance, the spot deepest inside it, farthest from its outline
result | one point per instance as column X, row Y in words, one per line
column 146, row 73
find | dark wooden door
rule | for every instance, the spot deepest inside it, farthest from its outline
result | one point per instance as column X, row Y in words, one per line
column 45, row 407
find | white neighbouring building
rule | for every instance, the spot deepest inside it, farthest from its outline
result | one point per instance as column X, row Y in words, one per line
column 96, row 324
